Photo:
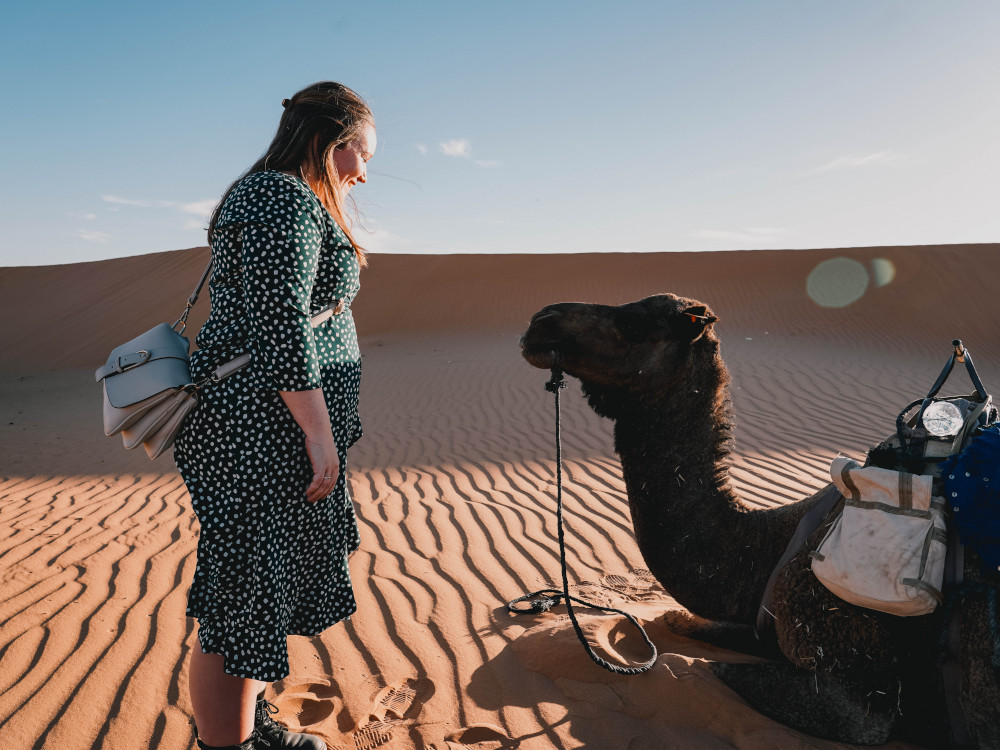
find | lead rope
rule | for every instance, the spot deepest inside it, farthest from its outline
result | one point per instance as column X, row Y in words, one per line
column 545, row 599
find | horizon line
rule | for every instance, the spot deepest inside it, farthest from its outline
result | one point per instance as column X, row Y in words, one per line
column 375, row 253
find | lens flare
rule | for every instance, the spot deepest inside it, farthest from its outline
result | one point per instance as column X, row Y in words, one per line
column 883, row 271
column 837, row 282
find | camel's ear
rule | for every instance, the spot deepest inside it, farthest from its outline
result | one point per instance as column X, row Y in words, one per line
column 691, row 323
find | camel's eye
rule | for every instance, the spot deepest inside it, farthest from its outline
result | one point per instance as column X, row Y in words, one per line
column 634, row 325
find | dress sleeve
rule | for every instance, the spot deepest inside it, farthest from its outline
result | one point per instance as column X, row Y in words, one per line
column 282, row 236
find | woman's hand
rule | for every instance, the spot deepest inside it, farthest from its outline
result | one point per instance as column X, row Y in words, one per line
column 309, row 410
column 326, row 467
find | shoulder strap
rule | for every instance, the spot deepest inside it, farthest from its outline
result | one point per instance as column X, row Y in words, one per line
column 182, row 320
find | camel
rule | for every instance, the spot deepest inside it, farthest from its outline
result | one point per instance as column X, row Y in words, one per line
column 844, row 672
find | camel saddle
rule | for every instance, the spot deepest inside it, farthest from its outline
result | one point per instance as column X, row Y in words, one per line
column 958, row 431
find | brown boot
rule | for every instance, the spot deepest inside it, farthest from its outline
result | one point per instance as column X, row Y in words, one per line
column 270, row 735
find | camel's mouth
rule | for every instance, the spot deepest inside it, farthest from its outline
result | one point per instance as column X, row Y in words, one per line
column 540, row 354
column 545, row 343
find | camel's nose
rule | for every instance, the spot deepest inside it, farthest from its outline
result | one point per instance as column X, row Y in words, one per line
column 545, row 314
column 542, row 328
column 555, row 310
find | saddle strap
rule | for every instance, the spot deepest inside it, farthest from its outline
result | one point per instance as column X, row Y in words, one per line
column 961, row 354
column 812, row 520
column 951, row 667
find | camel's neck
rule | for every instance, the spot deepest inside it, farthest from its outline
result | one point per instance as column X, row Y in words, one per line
column 711, row 553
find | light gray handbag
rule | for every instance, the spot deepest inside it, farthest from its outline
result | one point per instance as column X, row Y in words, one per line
column 147, row 383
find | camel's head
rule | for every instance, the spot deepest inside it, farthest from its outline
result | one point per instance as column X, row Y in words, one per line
column 645, row 348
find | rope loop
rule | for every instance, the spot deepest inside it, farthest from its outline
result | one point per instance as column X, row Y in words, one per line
column 545, row 599
column 538, row 602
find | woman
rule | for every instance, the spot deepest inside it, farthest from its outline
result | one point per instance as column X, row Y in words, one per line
column 263, row 454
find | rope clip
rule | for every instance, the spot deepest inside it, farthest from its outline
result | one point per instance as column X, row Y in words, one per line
column 557, row 382
column 959, row 350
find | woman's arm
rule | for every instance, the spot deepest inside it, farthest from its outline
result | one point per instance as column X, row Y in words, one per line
column 310, row 412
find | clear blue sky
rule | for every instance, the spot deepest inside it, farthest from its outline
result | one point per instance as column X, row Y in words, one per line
column 516, row 126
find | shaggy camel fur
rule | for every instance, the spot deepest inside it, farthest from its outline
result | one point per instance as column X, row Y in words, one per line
column 851, row 674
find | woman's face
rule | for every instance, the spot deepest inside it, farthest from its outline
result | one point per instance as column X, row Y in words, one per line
column 351, row 159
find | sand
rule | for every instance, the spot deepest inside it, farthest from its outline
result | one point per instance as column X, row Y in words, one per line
column 454, row 489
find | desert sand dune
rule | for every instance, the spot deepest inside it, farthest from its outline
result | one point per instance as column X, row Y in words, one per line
column 454, row 488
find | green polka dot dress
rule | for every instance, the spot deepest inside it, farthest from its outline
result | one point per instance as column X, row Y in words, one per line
column 271, row 564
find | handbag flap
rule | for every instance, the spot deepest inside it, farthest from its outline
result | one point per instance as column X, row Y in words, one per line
column 878, row 488
column 146, row 365
column 886, row 550
column 157, row 443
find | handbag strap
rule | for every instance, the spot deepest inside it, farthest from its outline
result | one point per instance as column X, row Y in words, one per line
column 223, row 371
column 182, row 320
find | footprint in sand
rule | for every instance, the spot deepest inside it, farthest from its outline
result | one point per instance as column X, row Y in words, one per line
column 477, row 737
column 17, row 574
column 637, row 586
column 311, row 703
column 20, row 575
column 372, row 735
column 394, row 701
column 645, row 575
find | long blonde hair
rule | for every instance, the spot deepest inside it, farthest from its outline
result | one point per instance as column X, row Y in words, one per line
column 317, row 120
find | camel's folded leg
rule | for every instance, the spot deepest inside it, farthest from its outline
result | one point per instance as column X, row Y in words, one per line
column 818, row 704
column 729, row 635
